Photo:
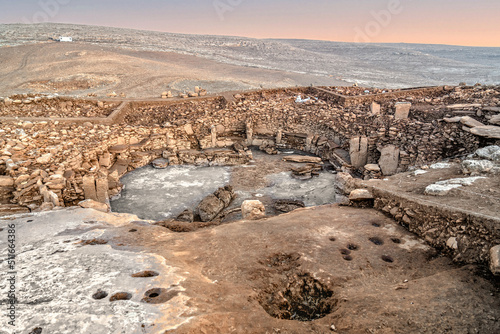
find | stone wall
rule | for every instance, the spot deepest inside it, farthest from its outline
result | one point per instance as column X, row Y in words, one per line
column 59, row 162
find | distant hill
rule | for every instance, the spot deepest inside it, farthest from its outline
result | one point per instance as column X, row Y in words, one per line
column 381, row 65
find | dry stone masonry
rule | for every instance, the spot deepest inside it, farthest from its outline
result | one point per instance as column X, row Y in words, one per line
column 58, row 152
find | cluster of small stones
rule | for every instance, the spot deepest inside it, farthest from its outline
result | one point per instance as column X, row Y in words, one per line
column 47, row 164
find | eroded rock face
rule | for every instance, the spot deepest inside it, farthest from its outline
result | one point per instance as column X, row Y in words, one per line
column 214, row 203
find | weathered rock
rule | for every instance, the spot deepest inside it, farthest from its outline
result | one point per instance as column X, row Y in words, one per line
column 470, row 122
column 253, row 209
column 372, row 168
column 358, row 151
column 402, row 110
column 89, row 187
column 288, row 205
column 6, row 181
column 495, row 120
column 160, row 163
column 213, row 204
column 44, row 159
column 489, row 152
column 442, row 188
column 477, row 166
column 452, row 119
column 302, row 159
column 360, row 195
column 488, row 131
column 375, row 108
column 389, row 160
column 186, row 216
column 464, row 106
column 91, row 204
column 209, row 208
column 495, row 260
column 189, row 129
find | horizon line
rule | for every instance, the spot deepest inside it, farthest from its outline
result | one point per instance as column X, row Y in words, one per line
column 247, row 37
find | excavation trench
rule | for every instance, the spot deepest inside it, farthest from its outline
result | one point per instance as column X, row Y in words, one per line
column 159, row 194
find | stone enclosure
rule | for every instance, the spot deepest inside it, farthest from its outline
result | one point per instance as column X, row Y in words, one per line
column 57, row 152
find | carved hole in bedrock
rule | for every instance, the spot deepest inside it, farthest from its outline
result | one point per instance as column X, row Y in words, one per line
column 301, row 298
column 100, row 295
column 146, row 273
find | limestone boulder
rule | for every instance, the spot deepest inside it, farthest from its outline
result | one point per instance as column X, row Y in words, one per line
column 253, row 209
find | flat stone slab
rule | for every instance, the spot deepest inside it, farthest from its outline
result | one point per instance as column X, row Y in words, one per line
column 302, row 158
column 488, row 131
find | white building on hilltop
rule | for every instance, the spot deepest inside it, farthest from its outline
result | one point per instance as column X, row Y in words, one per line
column 65, row 39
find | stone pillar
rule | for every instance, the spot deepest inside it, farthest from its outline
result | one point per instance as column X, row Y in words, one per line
column 213, row 134
column 358, row 151
column 249, row 132
column 402, row 110
column 89, row 187
column 279, row 137
column 102, row 189
column 389, row 160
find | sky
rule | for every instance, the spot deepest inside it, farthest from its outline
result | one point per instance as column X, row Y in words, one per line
column 456, row 22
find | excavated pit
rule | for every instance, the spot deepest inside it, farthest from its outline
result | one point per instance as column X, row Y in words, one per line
column 159, row 194
column 300, row 297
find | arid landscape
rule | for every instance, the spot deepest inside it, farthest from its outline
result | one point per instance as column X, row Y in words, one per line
column 168, row 183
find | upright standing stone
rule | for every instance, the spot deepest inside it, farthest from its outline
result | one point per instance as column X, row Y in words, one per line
column 102, row 189
column 375, row 108
column 249, row 132
column 389, row 160
column 214, row 136
column 402, row 110
column 279, row 137
column 89, row 187
column 358, row 151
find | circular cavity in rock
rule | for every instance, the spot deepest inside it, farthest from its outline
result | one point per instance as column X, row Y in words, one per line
column 100, row 295
column 387, row 258
column 376, row 224
column 345, row 251
column 332, row 239
column 146, row 273
column 377, row 241
column 37, row 330
column 348, row 257
column 132, row 230
column 352, row 247
column 159, row 295
column 120, row 296
column 396, row 240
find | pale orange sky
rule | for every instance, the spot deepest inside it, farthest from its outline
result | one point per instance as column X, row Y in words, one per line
column 458, row 22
